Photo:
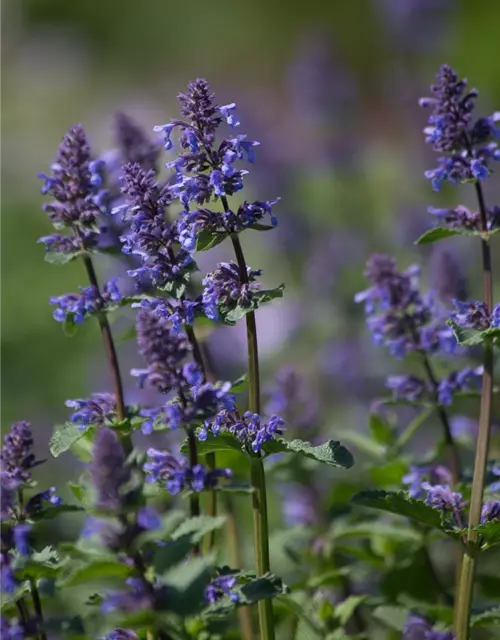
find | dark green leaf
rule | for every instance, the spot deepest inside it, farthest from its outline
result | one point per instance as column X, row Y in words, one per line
column 186, row 585
column 55, row 510
column 330, row 452
column 96, row 570
column 345, row 610
column 58, row 258
column 401, row 504
column 65, row 627
column 267, row 586
column 436, row 234
column 299, row 611
column 490, row 533
column 233, row 315
column 206, row 240
column 262, row 227
column 382, row 431
column 64, row 436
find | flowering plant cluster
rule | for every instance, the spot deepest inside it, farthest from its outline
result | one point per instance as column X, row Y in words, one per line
column 147, row 558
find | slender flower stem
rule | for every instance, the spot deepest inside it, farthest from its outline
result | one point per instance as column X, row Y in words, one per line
column 210, row 458
column 37, row 605
column 257, row 476
column 244, row 613
column 462, row 621
column 109, row 345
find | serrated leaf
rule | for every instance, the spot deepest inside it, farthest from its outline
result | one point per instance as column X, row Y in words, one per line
column 401, row 504
column 330, row 452
column 233, row 315
column 267, row 586
column 197, row 528
column 222, row 442
column 436, row 234
column 206, row 240
column 58, row 258
column 486, row 618
column 43, row 564
column 64, row 436
column 392, row 616
column 471, row 337
column 95, row 571
column 381, row 430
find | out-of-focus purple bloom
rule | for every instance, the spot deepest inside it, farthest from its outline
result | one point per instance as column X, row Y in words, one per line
column 447, row 276
column 78, row 306
column 458, row 381
column 135, row 598
column 109, row 470
column 450, row 131
column 121, row 634
column 490, row 511
column 397, row 315
column 176, row 474
column 291, row 398
column 442, row 497
column 471, row 315
column 17, row 457
column 418, row 628
column 495, row 487
column 133, row 144
column 407, row 387
column 8, row 493
column 224, row 288
column 463, row 426
column 300, row 505
column 21, row 533
column 74, row 185
column 13, row 630
column 220, row 587
column 250, row 430
column 8, row 580
column 98, row 410
column 435, row 475
column 148, row 518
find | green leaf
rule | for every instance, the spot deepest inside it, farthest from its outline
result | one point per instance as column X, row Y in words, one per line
column 390, row 474
column 42, row 564
column 486, row 618
column 63, row 438
column 197, row 528
column 267, row 586
column 490, row 534
column 436, row 234
column 65, row 627
column 69, row 326
column 364, row 443
column 403, row 534
column 344, row 611
column 95, row 571
column 472, row 337
column 261, row 227
column 58, row 258
column 54, row 510
column 382, row 431
column 206, row 240
column 240, row 384
column 222, row 442
column 330, row 452
column 401, row 504
column 392, row 616
column 186, row 585
column 298, row 610
column 233, row 315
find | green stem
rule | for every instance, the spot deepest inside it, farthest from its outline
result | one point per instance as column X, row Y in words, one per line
column 465, row 592
column 37, row 605
column 261, row 542
column 258, row 479
column 209, row 458
column 244, row 613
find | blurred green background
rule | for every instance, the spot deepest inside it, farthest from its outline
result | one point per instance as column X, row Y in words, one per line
column 330, row 90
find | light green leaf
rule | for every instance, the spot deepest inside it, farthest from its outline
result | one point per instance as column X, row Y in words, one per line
column 436, row 234
column 206, row 240
column 63, row 438
column 382, row 431
column 197, row 528
column 486, row 618
column 95, row 570
column 58, row 258
column 344, row 611
column 392, row 616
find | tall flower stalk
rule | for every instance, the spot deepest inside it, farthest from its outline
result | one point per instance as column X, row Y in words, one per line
column 205, row 171
column 467, row 153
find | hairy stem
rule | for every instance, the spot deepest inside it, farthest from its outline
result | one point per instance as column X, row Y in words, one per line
column 462, row 621
column 244, row 613
column 258, row 479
